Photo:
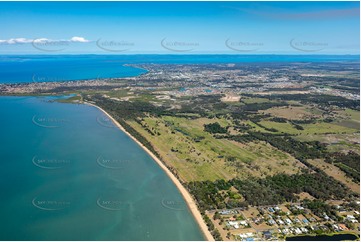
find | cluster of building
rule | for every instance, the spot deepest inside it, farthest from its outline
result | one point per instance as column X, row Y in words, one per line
column 280, row 221
column 336, row 92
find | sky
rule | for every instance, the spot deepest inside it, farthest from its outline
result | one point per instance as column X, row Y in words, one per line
column 179, row 27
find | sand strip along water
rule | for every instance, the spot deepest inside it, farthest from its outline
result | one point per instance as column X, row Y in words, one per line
column 186, row 195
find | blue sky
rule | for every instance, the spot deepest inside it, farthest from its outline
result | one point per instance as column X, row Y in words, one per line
column 179, row 27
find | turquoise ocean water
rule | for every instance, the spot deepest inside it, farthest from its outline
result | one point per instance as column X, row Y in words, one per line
column 68, row 174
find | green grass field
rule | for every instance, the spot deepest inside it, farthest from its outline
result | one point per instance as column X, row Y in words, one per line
column 197, row 155
column 281, row 127
column 321, row 128
column 317, row 128
column 248, row 100
column 354, row 115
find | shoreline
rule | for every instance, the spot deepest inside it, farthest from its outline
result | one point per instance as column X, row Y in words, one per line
column 185, row 194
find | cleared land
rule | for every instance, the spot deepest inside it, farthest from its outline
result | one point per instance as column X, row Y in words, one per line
column 196, row 154
column 292, row 112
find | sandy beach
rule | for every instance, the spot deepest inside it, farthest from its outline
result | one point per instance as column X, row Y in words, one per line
column 186, row 195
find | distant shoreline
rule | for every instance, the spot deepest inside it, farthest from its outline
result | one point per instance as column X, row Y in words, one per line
column 186, row 195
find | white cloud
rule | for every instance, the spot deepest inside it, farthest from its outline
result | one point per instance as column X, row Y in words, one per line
column 41, row 40
column 14, row 41
column 79, row 39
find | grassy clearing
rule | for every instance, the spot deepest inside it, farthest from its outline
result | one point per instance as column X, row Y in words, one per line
column 349, row 124
column 344, row 146
column 330, row 138
column 281, row 127
column 249, row 100
column 336, row 142
column 291, row 112
column 317, row 128
column 348, row 118
column 256, row 127
column 314, row 110
column 197, row 155
column 353, row 114
column 321, row 128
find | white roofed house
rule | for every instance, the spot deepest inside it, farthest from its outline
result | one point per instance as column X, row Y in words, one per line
column 243, row 222
column 271, row 222
column 288, row 221
column 335, row 227
column 234, row 224
column 351, row 218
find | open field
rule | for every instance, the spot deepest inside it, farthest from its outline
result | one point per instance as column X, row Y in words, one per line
column 322, row 128
column 291, row 112
column 249, row 100
column 196, row 154
column 352, row 114
column 280, row 127
column 335, row 142
column 316, row 128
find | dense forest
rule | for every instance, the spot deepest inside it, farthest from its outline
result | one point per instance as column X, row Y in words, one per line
column 215, row 128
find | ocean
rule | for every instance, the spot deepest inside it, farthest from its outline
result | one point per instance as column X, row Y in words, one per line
column 51, row 68
column 68, row 174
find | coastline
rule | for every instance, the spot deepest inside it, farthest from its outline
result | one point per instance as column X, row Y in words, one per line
column 185, row 194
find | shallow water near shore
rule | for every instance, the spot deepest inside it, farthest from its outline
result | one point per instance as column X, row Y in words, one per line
column 68, row 174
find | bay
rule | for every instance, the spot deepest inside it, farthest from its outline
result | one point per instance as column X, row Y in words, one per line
column 68, row 174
